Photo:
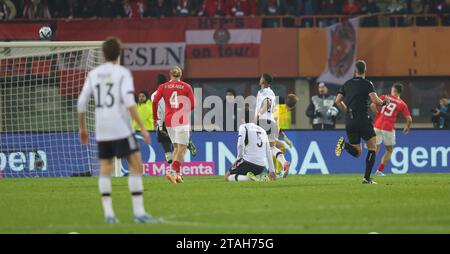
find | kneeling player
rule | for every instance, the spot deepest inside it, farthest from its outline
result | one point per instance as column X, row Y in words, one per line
column 253, row 151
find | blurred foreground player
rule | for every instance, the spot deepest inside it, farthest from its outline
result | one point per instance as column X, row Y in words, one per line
column 385, row 118
column 353, row 99
column 113, row 91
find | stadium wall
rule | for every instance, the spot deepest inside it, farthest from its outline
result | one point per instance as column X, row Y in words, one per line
column 421, row 151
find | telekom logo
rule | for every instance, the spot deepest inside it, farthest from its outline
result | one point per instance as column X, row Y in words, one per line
column 187, row 168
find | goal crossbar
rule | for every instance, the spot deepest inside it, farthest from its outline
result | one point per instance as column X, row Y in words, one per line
column 38, row 44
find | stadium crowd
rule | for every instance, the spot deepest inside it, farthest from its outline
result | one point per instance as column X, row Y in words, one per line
column 45, row 9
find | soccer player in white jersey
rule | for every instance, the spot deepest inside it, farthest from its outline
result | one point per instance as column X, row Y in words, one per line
column 113, row 91
column 253, row 152
column 265, row 107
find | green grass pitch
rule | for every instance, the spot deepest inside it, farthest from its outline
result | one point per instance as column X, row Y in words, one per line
column 412, row 203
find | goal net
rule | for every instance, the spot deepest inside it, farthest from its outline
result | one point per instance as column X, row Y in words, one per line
column 39, row 86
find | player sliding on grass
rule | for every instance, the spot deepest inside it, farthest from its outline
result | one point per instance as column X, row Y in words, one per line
column 384, row 124
column 179, row 102
column 253, row 151
column 113, row 91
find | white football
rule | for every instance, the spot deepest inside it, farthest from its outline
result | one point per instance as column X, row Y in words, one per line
column 45, row 32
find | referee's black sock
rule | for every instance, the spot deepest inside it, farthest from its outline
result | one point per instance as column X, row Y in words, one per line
column 370, row 161
column 351, row 150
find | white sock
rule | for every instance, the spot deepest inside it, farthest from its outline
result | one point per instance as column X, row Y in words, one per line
column 136, row 188
column 240, row 178
column 104, row 186
column 278, row 154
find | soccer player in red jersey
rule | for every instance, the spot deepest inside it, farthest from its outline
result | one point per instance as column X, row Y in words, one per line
column 179, row 102
column 384, row 124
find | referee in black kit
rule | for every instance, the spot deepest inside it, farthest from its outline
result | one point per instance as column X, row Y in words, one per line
column 353, row 99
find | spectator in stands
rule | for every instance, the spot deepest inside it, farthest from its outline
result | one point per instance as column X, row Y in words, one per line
column 306, row 8
column 214, row 8
column 161, row 8
column 441, row 113
column 322, row 109
column 444, row 10
column 145, row 111
column 111, row 9
column 329, row 7
column 58, row 9
column 36, row 9
column 135, row 8
column 64, row 9
column 397, row 7
column 86, row 8
column 370, row 7
column 240, row 8
column 423, row 7
column 351, row 7
column 186, row 8
column 7, row 10
column 272, row 8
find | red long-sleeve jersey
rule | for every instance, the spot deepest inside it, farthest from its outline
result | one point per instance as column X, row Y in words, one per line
column 179, row 102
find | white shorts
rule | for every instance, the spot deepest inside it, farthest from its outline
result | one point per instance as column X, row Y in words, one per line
column 271, row 128
column 386, row 137
column 179, row 134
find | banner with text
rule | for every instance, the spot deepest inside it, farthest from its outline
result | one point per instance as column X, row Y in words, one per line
column 313, row 153
column 212, row 38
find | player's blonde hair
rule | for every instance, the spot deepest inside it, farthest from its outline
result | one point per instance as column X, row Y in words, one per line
column 176, row 72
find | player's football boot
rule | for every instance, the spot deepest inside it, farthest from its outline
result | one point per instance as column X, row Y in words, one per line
column 192, row 148
column 111, row 220
column 285, row 169
column 252, row 177
column 171, row 176
column 179, row 179
column 379, row 173
column 369, row 181
column 264, row 177
column 339, row 146
column 146, row 218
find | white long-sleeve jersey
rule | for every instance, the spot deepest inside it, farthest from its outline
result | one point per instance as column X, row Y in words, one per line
column 253, row 145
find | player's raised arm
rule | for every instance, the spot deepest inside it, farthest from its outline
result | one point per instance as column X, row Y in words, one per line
column 82, row 104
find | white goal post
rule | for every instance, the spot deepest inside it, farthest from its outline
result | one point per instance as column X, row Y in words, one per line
column 39, row 86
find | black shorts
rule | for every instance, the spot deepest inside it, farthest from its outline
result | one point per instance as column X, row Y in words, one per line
column 243, row 167
column 359, row 129
column 121, row 148
column 163, row 136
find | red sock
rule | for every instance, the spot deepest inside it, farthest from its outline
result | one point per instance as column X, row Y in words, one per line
column 380, row 167
column 176, row 166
